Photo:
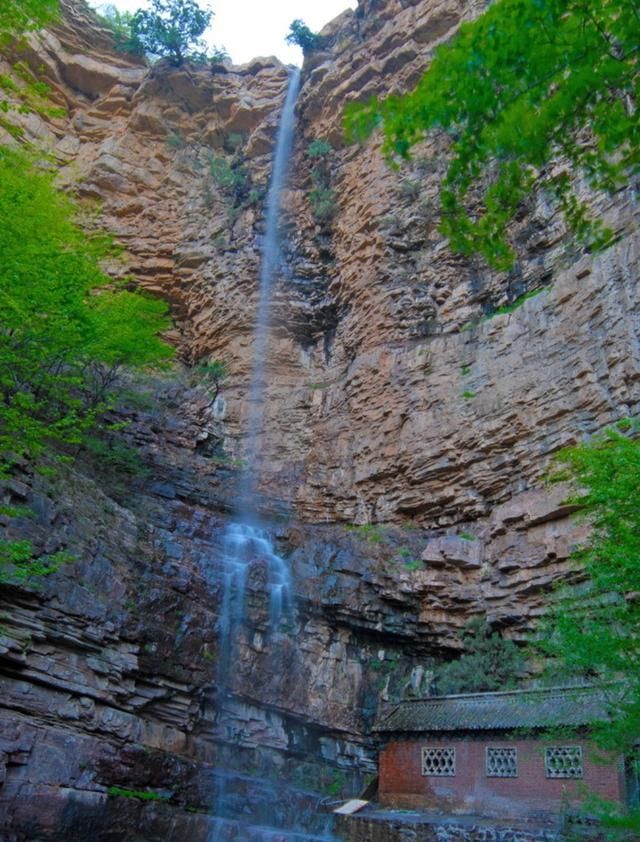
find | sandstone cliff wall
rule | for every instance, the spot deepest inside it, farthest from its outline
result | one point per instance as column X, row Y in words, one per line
column 394, row 396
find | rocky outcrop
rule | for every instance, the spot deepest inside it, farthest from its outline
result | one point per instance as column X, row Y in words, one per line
column 410, row 418
column 109, row 718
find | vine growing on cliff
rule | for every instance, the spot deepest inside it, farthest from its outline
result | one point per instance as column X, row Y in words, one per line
column 527, row 83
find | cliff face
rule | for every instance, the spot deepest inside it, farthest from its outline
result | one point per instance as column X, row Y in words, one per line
column 393, row 396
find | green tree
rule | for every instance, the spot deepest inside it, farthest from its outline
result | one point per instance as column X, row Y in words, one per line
column 66, row 332
column 322, row 196
column 489, row 663
column 171, row 29
column 301, row 36
column 66, row 329
column 528, row 82
column 120, row 24
column 593, row 630
column 211, row 375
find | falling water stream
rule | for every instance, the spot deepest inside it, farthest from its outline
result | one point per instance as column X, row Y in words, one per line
column 246, row 541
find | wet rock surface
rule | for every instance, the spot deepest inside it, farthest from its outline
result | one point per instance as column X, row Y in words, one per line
column 111, row 724
column 407, row 432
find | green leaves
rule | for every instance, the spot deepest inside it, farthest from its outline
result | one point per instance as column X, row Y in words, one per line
column 65, row 330
column 594, row 630
column 170, row 28
column 527, row 82
column 489, row 662
column 18, row 16
column 300, row 35
column 20, row 562
column 120, row 25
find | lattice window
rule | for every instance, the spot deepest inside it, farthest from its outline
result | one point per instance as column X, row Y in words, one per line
column 439, row 762
column 502, row 762
column 563, row 762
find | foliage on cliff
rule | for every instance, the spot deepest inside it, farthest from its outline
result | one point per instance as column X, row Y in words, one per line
column 301, row 36
column 594, row 629
column 18, row 16
column 120, row 23
column 66, row 329
column 489, row 663
column 22, row 88
column 529, row 81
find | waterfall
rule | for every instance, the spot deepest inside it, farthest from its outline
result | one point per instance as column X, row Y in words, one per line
column 246, row 543
column 246, row 540
column 271, row 256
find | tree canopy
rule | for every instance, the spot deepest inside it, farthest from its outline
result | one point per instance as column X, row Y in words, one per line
column 301, row 36
column 489, row 663
column 171, row 29
column 595, row 627
column 593, row 630
column 66, row 327
column 528, row 82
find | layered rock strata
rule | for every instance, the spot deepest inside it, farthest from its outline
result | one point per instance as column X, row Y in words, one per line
column 397, row 394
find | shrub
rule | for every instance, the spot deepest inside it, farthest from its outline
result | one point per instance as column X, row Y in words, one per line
column 174, row 141
column 409, row 189
column 142, row 794
column 210, row 375
column 19, row 562
column 234, row 141
column 233, row 178
column 323, row 204
column 301, row 36
column 120, row 26
column 489, row 663
column 319, row 148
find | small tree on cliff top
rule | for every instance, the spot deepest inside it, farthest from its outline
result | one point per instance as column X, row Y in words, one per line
column 171, row 29
column 301, row 36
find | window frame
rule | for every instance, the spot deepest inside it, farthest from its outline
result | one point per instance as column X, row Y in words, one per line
column 565, row 774
column 449, row 754
column 511, row 750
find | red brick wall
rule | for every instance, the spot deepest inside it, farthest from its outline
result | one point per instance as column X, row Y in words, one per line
column 471, row 791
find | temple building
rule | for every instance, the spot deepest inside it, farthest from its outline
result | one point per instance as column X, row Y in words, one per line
column 515, row 754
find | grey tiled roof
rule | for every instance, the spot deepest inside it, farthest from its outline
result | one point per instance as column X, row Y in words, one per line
column 504, row 711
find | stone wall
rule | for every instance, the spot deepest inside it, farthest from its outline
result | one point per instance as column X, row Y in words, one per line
column 380, row 827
